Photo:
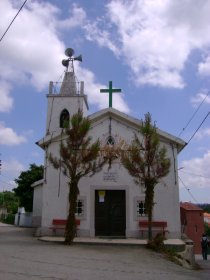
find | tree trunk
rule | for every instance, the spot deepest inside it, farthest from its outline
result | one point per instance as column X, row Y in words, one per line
column 149, row 206
column 70, row 230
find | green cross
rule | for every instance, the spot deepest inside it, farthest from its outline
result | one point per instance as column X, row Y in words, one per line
column 110, row 90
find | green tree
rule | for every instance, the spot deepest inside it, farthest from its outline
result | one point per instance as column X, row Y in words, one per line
column 205, row 207
column 24, row 190
column 147, row 162
column 79, row 156
column 207, row 229
column 10, row 201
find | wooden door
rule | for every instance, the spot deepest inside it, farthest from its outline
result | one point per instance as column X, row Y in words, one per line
column 110, row 213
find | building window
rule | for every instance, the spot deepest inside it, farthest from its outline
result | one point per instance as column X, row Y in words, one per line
column 141, row 210
column 80, row 208
column 64, row 119
column 110, row 141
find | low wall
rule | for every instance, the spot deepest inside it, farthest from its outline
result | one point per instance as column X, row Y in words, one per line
column 23, row 219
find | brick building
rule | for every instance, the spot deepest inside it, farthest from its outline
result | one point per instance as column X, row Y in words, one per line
column 192, row 223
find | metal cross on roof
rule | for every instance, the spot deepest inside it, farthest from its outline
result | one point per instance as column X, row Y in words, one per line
column 110, row 90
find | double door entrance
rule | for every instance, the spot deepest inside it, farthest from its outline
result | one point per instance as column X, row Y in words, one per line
column 110, row 219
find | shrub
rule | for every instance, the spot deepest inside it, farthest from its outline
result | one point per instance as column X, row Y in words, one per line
column 156, row 243
column 9, row 219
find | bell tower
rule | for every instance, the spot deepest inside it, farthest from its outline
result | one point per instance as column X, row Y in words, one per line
column 65, row 99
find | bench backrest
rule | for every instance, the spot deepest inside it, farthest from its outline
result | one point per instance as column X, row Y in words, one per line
column 153, row 223
column 62, row 222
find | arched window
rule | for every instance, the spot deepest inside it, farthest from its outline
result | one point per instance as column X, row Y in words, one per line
column 110, row 141
column 64, row 119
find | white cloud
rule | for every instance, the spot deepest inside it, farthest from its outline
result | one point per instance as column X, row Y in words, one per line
column 204, row 67
column 13, row 166
column 102, row 37
column 196, row 171
column 32, row 51
column 202, row 133
column 77, row 16
column 6, row 102
column 155, row 38
column 9, row 137
column 31, row 48
column 7, row 185
column 11, row 170
column 201, row 97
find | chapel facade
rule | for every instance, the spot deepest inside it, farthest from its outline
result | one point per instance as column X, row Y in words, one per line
column 109, row 203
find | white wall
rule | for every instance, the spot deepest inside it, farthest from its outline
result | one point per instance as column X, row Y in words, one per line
column 57, row 103
column 37, row 205
column 55, row 192
column 23, row 219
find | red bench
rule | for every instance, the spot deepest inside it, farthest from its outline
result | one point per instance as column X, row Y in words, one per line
column 159, row 226
column 60, row 224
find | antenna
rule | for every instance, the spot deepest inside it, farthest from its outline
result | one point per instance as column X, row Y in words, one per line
column 65, row 62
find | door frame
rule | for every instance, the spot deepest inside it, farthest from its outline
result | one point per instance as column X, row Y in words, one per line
column 111, row 225
column 92, row 204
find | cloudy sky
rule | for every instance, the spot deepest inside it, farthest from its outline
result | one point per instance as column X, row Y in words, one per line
column 156, row 51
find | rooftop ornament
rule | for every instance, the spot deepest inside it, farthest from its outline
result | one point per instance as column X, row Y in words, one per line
column 110, row 90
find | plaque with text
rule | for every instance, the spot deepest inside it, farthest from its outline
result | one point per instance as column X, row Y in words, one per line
column 110, row 176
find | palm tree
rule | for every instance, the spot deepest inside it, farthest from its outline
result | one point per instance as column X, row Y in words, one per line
column 147, row 162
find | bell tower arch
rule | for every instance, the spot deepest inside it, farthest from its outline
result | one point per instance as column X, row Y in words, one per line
column 64, row 118
column 66, row 100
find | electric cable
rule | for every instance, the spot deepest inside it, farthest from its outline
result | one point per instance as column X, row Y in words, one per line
column 12, row 21
column 188, row 190
column 198, row 128
column 193, row 174
column 194, row 114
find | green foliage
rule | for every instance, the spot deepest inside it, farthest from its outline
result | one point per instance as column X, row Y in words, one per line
column 147, row 162
column 24, row 190
column 156, row 243
column 9, row 201
column 205, row 207
column 207, row 229
column 9, row 219
column 79, row 156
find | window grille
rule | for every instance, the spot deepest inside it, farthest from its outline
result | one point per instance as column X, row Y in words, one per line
column 141, row 210
column 80, row 208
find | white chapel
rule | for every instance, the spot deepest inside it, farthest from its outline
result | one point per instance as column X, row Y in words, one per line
column 109, row 203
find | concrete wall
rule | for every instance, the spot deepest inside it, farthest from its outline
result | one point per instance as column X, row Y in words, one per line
column 57, row 103
column 37, row 203
column 23, row 219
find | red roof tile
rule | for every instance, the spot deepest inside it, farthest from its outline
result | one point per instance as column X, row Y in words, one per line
column 190, row 206
column 207, row 215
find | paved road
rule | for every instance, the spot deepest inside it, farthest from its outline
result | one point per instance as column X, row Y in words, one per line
column 24, row 257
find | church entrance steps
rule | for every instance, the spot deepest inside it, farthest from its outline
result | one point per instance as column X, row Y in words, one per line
column 109, row 241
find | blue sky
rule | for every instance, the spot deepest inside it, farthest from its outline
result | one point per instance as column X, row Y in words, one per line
column 156, row 51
